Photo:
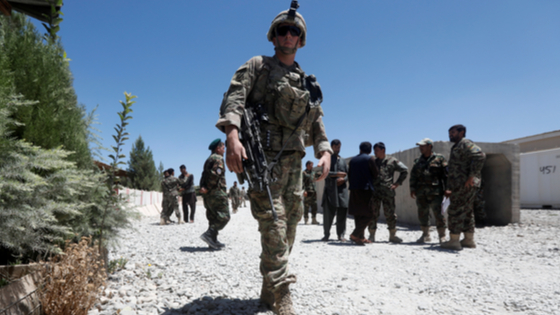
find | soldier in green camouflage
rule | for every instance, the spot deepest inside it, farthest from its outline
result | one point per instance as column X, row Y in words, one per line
column 464, row 175
column 309, row 193
column 277, row 83
column 428, row 180
column 234, row 194
column 170, row 188
column 164, row 218
column 213, row 190
column 384, row 191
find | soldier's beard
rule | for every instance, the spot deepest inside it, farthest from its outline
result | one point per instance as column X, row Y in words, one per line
column 286, row 50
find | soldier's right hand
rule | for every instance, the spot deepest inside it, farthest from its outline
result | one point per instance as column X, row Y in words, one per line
column 305, row 193
column 203, row 190
column 235, row 150
column 413, row 195
column 447, row 193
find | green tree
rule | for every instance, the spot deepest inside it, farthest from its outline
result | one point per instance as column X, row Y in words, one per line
column 39, row 71
column 160, row 175
column 142, row 173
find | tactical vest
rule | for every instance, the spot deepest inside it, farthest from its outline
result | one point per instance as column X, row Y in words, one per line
column 281, row 91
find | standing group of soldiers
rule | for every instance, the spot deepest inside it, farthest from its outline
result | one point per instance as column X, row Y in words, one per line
column 432, row 178
column 172, row 188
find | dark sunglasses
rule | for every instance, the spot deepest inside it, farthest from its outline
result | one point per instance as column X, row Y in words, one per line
column 283, row 30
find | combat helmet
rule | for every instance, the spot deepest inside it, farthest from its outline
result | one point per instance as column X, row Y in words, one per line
column 283, row 17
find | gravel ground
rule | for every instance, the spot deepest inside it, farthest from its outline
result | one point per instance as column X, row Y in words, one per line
column 514, row 269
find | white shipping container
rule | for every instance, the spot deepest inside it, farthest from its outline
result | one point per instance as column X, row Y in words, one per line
column 540, row 179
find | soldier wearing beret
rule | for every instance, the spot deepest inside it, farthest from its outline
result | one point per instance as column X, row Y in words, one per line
column 278, row 84
column 213, row 190
column 428, row 180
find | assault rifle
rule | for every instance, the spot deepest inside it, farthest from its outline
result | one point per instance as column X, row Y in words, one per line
column 256, row 169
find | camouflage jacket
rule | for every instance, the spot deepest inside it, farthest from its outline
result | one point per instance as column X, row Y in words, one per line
column 234, row 192
column 429, row 175
column 309, row 178
column 387, row 168
column 466, row 160
column 279, row 88
column 213, row 174
column 170, row 186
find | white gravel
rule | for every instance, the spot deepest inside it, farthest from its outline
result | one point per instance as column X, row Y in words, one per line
column 514, row 270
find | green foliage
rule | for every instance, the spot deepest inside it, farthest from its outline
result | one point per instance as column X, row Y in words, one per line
column 113, row 201
column 39, row 71
column 54, row 21
column 160, row 175
column 142, row 173
column 116, row 265
column 45, row 199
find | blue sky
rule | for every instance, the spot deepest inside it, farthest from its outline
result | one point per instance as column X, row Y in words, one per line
column 391, row 71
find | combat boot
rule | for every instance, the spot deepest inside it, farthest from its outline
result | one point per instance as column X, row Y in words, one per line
column 314, row 221
column 371, row 237
column 283, row 301
column 162, row 221
column 468, row 241
column 393, row 238
column 215, row 239
column 208, row 239
column 425, row 238
column 267, row 297
column 453, row 242
column 441, row 234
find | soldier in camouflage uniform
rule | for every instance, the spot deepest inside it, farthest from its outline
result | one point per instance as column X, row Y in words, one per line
column 465, row 164
column 213, row 190
column 164, row 218
column 170, row 188
column 384, row 191
column 243, row 197
column 309, row 193
column 277, row 83
column 234, row 194
column 428, row 180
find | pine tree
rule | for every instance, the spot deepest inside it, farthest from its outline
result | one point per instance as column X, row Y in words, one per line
column 40, row 72
column 142, row 173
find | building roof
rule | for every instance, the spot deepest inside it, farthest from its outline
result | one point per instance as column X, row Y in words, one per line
column 38, row 9
column 541, row 136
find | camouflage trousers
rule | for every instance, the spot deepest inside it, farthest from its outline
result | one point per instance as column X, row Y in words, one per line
column 277, row 238
column 310, row 202
column 426, row 203
column 460, row 213
column 478, row 207
column 235, row 203
column 386, row 197
column 217, row 209
column 170, row 205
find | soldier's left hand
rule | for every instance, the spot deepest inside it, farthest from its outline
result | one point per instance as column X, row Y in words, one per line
column 394, row 186
column 325, row 162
